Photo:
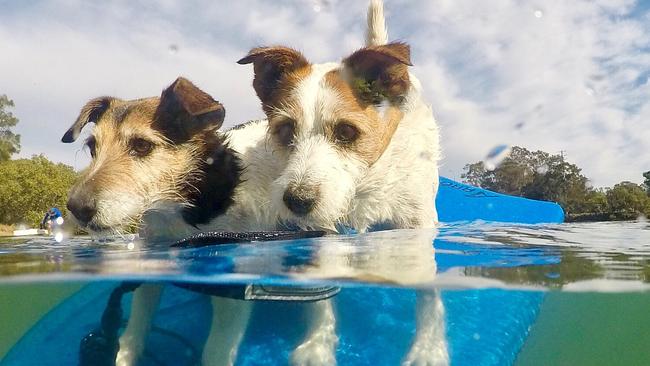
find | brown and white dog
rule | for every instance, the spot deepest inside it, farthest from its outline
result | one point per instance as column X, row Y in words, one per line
column 161, row 164
column 166, row 153
column 358, row 147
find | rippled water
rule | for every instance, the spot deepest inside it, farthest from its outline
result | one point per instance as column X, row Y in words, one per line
column 472, row 255
column 494, row 281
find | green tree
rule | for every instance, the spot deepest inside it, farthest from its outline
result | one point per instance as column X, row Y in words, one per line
column 511, row 176
column 9, row 141
column 562, row 182
column 646, row 183
column 595, row 202
column 30, row 187
column 533, row 174
column 475, row 174
column 628, row 200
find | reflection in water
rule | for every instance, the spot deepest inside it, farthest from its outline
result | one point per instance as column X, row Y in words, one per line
column 379, row 257
column 583, row 252
column 547, row 256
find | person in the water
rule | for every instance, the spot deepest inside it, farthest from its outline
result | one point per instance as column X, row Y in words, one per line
column 52, row 218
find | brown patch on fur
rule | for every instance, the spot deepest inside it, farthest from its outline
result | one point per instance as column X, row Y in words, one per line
column 375, row 131
column 276, row 69
column 383, row 68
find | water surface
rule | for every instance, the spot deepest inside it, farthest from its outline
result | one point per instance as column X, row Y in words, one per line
column 530, row 295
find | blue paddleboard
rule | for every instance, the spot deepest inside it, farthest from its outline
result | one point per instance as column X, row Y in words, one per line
column 461, row 202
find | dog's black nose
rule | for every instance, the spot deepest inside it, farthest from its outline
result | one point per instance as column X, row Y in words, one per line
column 83, row 206
column 300, row 200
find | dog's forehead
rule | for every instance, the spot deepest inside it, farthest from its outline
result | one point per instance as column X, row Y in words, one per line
column 314, row 97
column 325, row 96
column 138, row 110
column 127, row 116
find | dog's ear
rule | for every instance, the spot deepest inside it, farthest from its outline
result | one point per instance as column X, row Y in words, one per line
column 91, row 112
column 185, row 109
column 270, row 64
column 380, row 72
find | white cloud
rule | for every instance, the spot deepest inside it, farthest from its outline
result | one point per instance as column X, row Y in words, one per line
column 551, row 75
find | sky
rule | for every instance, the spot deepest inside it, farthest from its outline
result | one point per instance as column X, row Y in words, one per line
column 569, row 77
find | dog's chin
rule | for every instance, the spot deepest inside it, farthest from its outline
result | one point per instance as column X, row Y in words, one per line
column 296, row 225
column 290, row 221
column 98, row 228
column 102, row 229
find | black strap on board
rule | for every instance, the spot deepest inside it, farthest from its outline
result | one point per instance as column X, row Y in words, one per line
column 228, row 237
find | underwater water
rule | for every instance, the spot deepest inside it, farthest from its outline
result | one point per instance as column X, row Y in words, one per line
column 566, row 294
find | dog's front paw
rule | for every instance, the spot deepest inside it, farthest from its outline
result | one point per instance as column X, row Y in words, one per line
column 314, row 353
column 129, row 353
column 424, row 353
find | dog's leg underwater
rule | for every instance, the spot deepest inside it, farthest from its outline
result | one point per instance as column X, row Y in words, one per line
column 320, row 345
column 430, row 344
column 143, row 307
column 229, row 320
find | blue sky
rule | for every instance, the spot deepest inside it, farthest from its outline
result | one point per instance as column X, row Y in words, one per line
column 570, row 76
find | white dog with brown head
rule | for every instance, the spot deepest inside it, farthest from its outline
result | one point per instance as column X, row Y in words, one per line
column 358, row 144
column 358, row 147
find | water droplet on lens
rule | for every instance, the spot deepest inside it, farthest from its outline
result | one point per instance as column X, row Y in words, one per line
column 209, row 161
column 320, row 5
column 173, row 49
column 476, row 336
column 496, row 156
column 538, row 13
column 58, row 237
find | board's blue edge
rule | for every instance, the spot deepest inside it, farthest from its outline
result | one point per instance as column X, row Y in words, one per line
column 461, row 202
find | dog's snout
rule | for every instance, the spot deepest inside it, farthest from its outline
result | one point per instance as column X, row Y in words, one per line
column 83, row 206
column 300, row 200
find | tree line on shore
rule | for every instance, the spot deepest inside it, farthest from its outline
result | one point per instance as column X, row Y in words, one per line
column 542, row 176
column 29, row 187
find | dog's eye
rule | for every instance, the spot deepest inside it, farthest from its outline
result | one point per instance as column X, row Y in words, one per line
column 345, row 133
column 140, row 147
column 285, row 132
column 91, row 143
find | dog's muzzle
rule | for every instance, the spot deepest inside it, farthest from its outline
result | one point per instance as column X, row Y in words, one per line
column 301, row 200
column 83, row 205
